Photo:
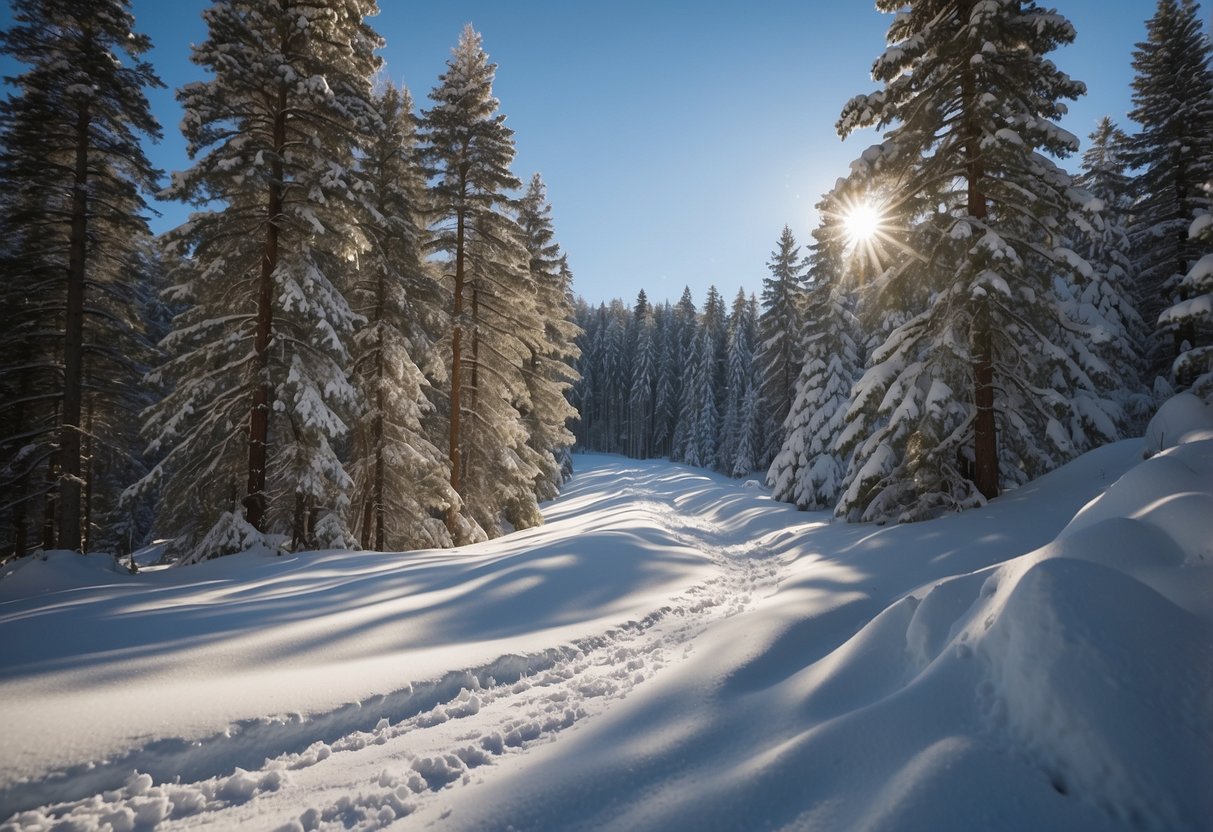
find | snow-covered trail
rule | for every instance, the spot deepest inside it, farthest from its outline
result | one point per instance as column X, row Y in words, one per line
column 587, row 638
column 672, row 650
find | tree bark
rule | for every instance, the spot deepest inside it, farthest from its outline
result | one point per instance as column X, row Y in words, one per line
column 985, row 426
column 380, row 406
column 73, row 344
column 256, row 501
column 89, row 468
column 456, row 371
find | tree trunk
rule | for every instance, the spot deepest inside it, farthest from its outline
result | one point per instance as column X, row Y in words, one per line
column 89, row 468
column 73, row 344
column 256, row 502
column 985, row 426
column 380, row 405
column 21, row 508
column 456, row 372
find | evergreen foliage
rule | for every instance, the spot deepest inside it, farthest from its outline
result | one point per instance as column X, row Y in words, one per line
column 260, row 396
column 73, row 219
column 1173, row 155
column 988, row 382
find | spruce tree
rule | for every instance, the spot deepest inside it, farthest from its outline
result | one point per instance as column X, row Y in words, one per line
column 683, row 346
column 738, row 379
column 73, row 172
column 258, row 357
column 400, row 479
column 978, row 387
column 701, row 412
column 495, row 300
column 779, row 330
column 1194, row 314
column 665, row 403
column 643, row 382
column 1111, row 294
column 549, row 370
column 810, row 466
column 1173, row 156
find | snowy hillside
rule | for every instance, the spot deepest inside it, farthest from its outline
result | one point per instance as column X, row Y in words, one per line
column 672, row 650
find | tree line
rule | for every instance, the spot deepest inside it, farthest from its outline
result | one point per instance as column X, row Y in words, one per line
column 1003, row 317
column 362, row 336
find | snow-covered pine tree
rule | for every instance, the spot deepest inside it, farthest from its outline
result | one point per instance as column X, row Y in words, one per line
column 1173, row 156
column 1194, row 314
column 684, row 333
column 665, row 404
column 779, row 329
column 549, row 371
column 643, row 383
column 702, row 435
column 715, row 319
column 739, row 360
column 401, row 480
column 580, row 391
column 977, row 388
column 258, row 356
column 469, row 150
column 72, row 171
column 809, row 468
column 1112, row 292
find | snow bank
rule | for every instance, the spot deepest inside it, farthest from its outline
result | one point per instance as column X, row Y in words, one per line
column 56, row 571
column 1182, row 418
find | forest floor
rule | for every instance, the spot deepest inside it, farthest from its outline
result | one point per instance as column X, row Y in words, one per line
column 671, row 650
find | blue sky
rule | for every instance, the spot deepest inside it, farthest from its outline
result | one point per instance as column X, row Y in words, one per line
column 676, row 138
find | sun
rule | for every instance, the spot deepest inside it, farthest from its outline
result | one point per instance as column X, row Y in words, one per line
column 861, row 222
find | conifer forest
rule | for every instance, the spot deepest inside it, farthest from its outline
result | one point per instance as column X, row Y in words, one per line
column 422, row 478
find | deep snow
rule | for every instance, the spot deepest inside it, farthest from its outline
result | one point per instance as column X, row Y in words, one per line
column 673, row 650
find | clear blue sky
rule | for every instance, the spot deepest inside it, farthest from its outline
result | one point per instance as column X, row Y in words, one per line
column 676, row 138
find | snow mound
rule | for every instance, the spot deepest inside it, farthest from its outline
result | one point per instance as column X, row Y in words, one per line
column 1182, row 418
column 57, row 571
column 1096, row 650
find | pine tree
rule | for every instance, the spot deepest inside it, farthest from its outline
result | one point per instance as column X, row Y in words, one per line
column 1194, row 313
column 810, row 467
column 702, row 413
column 258, row 356
column 684, row 335
column 779, row 332
column 549, row 371
column 665, row 403
column 73, row 218
column 400, row 479
column 643, row 382
column 977, row 388
column 494, row 299
column 737, row 383
column 1112, row 295
column 1173, row 154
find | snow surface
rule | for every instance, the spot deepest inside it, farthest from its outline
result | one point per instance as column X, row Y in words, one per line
column 673, row 650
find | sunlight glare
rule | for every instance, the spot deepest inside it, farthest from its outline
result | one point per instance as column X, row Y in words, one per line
column 862, row 222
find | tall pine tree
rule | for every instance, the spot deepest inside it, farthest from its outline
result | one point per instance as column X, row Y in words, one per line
column 977, row 388
column 401, row 480
column 779, row 330
column 73, row 171
column 258, row 357
column 1173, row 156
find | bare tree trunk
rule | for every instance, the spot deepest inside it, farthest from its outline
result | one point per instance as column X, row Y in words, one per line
column 256, row 502
column 21, row 509
column 456, row 371
column 89, row 450
column 73, row 344
column 380, row 404
column 985, row 426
